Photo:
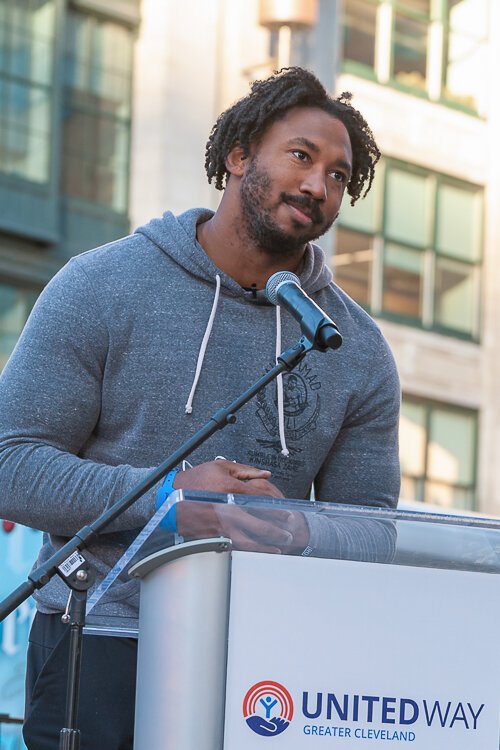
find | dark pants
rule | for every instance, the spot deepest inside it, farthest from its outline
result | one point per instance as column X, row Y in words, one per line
column 107, row 688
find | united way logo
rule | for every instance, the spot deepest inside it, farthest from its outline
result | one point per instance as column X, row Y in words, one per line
column 268, row 708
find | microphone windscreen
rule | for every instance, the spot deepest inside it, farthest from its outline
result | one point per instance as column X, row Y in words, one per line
column 274, row 282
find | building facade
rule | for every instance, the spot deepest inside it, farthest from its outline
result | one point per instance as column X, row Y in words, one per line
column 65, row 123
column 66, row 71
column 420, row 253
column 105, row 109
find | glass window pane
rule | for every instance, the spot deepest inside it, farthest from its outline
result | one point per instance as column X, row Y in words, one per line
column 25, row 132
column 43, row 18
column 451, row 446
column 4, row 37
column 449, row 496
column 459, row 214
column 456, row 296
column 420, row 7
column 97, row 123
column 42, row 61
column 353, row 261
column 361, row 216
column 26, row 59
column 78, row 49
column 15, row 306
column 17, row 15
column 402, row 290
column 99, row 62
column 407, row 207
column 18, row 103
column 19, row 53
column 359, row 24
column 27, row 40
column 412, row 488
column 469, row 16
column 115, row 48
column 438, row 466
column 410, row 51
column 96, row 162
column 413, row 438
column 466, row 52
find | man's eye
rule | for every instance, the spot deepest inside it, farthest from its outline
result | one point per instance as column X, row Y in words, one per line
column 338, row 176
column 301, row 155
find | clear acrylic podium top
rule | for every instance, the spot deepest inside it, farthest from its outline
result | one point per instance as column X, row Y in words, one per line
column 265, row 524
column 365, row 534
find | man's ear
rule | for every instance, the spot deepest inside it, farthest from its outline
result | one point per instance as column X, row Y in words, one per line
column 236, row 160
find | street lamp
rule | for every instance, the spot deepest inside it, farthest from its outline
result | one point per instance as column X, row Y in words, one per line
column 284, row 17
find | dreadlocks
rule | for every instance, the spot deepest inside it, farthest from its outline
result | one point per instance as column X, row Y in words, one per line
column 246, row 121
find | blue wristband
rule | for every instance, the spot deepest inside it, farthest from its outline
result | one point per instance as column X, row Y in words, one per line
column 169, row 522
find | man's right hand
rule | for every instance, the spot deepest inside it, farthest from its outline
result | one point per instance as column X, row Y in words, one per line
column 227, row 476
column 247, row 532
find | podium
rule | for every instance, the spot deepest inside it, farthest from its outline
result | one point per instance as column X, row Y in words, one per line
column 386, row 635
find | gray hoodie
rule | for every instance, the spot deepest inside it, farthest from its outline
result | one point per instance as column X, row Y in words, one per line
column 95, row 394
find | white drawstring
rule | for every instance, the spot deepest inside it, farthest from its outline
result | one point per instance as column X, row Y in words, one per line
column 279, row 381
column 279, row 387
column 189, row 404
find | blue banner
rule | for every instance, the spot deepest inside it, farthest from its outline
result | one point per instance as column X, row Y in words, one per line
column 18, row 549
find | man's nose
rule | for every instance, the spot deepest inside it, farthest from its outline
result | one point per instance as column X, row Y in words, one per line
column 314, row 183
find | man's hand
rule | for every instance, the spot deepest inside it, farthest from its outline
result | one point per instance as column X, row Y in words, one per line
column 227, row 476
column 247, row 533
column 292, row 521
column 260, row 530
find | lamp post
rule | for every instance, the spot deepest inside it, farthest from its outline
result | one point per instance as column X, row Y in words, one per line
column 284, row 17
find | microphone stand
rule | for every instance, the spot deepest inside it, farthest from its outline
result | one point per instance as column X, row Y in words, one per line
column 74, row 569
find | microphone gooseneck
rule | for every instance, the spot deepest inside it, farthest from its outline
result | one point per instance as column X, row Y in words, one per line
column 283, row 288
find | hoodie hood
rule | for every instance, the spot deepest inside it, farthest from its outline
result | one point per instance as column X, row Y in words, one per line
column 176, row 237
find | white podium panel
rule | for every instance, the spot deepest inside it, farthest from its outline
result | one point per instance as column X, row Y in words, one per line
column 336, row 653
column 386, row 636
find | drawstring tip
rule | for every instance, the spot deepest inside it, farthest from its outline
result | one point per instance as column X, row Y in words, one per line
column 188, row 410
column 285, row 452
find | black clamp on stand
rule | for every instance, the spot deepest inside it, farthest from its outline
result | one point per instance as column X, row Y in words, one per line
column 74, row 569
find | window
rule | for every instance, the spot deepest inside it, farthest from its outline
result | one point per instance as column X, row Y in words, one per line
column 97, row 102
column 411, row 251
column 438, row 447
column 359, row 24
column 15, row 306
column 353, row 264
column 402, row 282
column 26, row 61
column 464, row 63
column 436, row 48
column 411, row 22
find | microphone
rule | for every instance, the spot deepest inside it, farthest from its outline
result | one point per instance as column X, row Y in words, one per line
column 283, row 288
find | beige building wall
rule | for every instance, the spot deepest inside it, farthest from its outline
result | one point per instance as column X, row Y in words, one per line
column 175, row 99
column 195, row 58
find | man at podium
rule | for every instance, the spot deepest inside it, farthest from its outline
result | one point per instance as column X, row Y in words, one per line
column 132, row 346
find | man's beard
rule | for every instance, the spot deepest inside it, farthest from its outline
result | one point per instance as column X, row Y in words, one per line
column 255, row 189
